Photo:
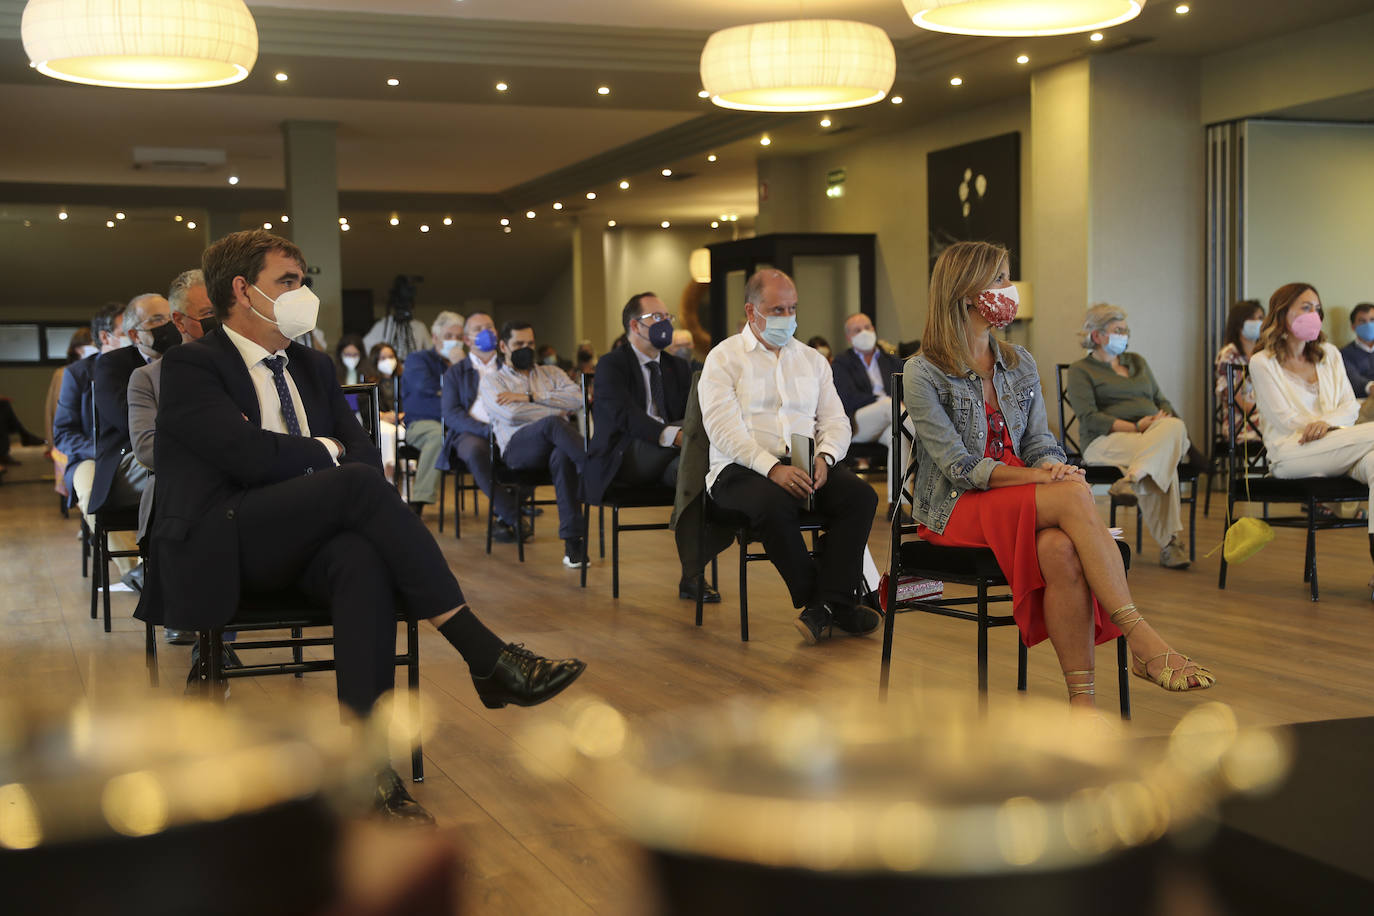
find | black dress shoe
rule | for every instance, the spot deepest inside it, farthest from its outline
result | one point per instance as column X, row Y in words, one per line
column 687, row 589
column 502, row 533
column 394, row 804
column 814, row 624
column 858, row 620
column 531, row 511
column 525, row 679
column 134, row 578
column 179, row 637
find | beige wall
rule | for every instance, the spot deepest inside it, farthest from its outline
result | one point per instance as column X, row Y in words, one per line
column 640, row 259
column 1309, row 213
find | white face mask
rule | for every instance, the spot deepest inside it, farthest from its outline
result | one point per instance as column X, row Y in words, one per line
column 122, row 341
column 450, row 349
column 297, row 310
column 386, row 366
column 865, row 340
column 350, row 362
column 87, row 350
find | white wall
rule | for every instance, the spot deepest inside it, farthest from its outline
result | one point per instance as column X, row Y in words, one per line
column 1309, row 213
column 640, row 259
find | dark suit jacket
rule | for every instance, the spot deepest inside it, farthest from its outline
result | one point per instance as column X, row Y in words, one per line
column 210, row 449
column 72, row 434
column 618, row 412
column 852, row 383
column 460, row 387
column 112, row 373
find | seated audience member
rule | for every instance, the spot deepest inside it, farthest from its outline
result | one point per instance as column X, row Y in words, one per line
column 528, row 407
column 1242, row 332
column 266, row 481
column 1358, row 356
column 72, row 432
column 79, row 347
column 350, row 365
column 11, row 425
column 383, row 358
column 684, row 349
column 822, row 346
column 1305, row 401
column 193, row 317
column 760, row 387
column 1125, row 421
column 420, row 399
column 637, row 432
column 861, row 376
column 468, row 427
column 548, row 356
column 995, row 477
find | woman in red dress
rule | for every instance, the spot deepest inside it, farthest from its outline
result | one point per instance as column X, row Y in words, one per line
column 990, row 474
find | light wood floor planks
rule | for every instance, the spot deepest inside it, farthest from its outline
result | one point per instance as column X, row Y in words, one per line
column 545, row 845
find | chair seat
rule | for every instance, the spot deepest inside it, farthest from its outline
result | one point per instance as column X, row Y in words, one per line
column 958, row 564
column 286, row 608
column 628, row 496
column 1299, row 489
column 123, row 519
column 1101, row 473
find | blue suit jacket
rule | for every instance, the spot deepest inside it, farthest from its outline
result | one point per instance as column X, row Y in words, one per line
column 852, row 383
column 112, row 373
column 210, row 449
column 420, row 385
column 72, row 433
column 460, row 387
column 1359, row 365
column 619, row 415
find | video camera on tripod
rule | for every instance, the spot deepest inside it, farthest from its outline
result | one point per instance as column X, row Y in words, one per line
column 400, row 306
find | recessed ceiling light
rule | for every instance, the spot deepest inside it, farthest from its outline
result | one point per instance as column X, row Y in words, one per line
column 504, row 221
column 703, row 94
column 724, row 217
column 624, row 185
column 603, row 90
column 1022, row 59
column 529, row 214
column 285, row 218
column 424, row 228
column 711, row 158
column 610, row 223
column 395, row 221
column 1181, row 9
column 448, row 221
column 178, row 217
column 734, row 217
column 282, row 77
column 665, row 224
column 666, row 173
column 825, row 122
column 267, row 225
column 61, row 214
column 557, row 205
column 1095, row 36
column 765, row 140
column 715, row 224
column 233, row 179
column 896, row 100
column 191, row 224
column 342, row 220
column 119, row 215
column 506, row 229
column 393, row 82
column 956, row 81
column 345, row 227
column 109, row 223
column 591, row 195
column 501, row 87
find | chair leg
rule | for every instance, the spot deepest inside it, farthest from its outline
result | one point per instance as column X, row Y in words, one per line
column 1123, row 676
column 519, row 528
column 150, row 652
column 586, row 529
column 743, row 588
column 443, row 485
column 95, row 572
column 297, row 655
column 1207, row 498
column 202, row 670
column 982, row 646
column 1140, row 532
column 615, row 551
column 601, row 521
column 105, row 552
column 417, row 755
column 1312, row 553
column 85, row 549
column 715, row 570
column 216, row 679
column 458, row 504
column 1021, row 660
column 885, row 669
column 491, row 514
column 1192, row 522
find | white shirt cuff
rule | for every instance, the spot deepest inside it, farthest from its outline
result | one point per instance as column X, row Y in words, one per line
column 331, row 447
column 668, row 436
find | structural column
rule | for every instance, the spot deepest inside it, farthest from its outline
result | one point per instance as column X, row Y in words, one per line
column 312, row 202
column 589, row 283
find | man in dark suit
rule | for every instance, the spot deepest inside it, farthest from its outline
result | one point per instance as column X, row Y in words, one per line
column 641, row 399
column 861, row 376
column 467, row 426
column 266, row 481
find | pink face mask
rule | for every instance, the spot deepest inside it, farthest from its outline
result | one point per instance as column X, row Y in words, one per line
column 998, row 306
column 1307, row 326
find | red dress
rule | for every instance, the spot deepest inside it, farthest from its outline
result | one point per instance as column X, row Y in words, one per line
column 1003, row 519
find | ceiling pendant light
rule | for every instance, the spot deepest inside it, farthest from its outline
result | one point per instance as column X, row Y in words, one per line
column 1006, row 18
column 802, row 65
column 141, row 44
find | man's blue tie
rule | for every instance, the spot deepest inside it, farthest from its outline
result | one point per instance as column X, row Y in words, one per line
column 288, row 408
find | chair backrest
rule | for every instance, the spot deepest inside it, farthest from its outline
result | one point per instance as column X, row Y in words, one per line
column 1067, row 418
column 95, row 419
column 365, row 400
column 586, row 409
column 1252, row 457
column 901, row 454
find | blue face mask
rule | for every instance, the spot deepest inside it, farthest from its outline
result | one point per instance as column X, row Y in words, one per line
column 660, row 334
column 1116, row 344
column 778, row 329
column 485, row 340
column 1251, row 329
column 1365, row 331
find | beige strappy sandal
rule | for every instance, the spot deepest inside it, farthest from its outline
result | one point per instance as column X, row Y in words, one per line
column 1170, row 677
column 1082, row 684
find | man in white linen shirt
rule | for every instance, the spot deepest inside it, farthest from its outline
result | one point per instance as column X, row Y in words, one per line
column 757, row 389
column 529, row 406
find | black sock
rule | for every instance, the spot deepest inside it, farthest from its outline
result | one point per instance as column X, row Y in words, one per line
column 479, row 646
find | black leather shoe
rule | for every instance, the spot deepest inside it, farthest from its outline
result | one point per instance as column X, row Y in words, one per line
column 814, row 624
column 179, row 637
column 859, row 620
column 525, row 679
column 574, row 553
column 687, row 589
column 531, row 511
column 134, row 578
column 395, row 805
column 502, row 533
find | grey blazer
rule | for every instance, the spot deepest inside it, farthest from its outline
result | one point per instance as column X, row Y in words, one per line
column 144, row 385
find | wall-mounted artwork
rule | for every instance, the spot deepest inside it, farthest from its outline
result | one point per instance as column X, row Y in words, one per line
column 974, row 194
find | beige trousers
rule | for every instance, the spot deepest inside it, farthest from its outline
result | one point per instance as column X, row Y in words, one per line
column 82, row 479
column 1150, row 461
column 1348, row 451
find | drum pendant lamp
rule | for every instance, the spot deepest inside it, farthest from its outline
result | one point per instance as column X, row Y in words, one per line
column 1009, row 18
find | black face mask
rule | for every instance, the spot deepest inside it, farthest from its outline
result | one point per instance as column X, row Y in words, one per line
column 522, row 359
column 164, row 337
column 208, row 324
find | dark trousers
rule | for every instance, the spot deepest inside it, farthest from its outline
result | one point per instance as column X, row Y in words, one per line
column 845, row 502
column 553, row 442
column 475, row 452
column 344, row 538
column 645, row 464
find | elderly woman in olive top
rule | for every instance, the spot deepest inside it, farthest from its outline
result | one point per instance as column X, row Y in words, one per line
column 1126, row 422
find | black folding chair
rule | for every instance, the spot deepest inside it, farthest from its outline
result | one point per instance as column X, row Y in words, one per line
column 463, row 483
column 972, row 566
column 1105, row 474
column 106, row 521
column 522, row 486
column 1248, row 480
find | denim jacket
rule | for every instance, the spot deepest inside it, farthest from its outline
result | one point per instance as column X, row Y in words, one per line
column 950, row 420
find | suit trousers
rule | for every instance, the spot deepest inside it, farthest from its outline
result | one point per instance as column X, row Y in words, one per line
column 645, row 465
column 83, row 478
column 475, row 453
column 555, row 443
column 845, row 502
column 428, row 437
column 344, row 538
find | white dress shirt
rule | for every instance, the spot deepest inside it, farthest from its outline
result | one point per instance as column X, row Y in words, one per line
column 669, row 434
column 875, row 372
column 478, row 410
column 269, row 404
column 753, row 399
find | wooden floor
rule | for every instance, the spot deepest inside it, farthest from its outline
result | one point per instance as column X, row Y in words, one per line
column 545, row 845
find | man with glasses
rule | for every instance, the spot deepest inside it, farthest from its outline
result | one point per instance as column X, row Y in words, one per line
column 641, row 398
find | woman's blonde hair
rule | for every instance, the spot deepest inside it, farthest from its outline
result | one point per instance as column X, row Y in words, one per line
column 962, row 271
column 1274, row 331
column 1097, row 319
